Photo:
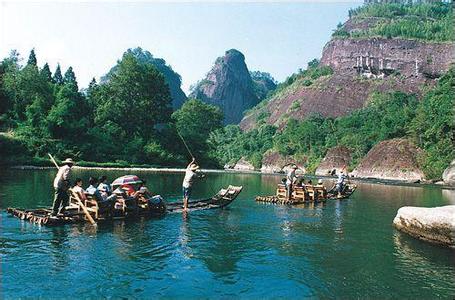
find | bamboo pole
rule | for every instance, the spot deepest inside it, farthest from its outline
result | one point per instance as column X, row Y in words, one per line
column 86, row 212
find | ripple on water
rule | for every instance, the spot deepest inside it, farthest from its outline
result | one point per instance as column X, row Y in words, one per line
column 346, row 249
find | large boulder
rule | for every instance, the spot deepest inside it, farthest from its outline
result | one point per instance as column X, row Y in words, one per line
column 394, row 159
column 274, row 162
column 449, row 174
column 435, row 225
column 243, row 165
column 337, row 158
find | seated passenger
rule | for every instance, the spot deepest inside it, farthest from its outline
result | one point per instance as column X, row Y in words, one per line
column 143, row 191
column 129, row 189
column 104, row 187
column 77, row 188
column 92, row 190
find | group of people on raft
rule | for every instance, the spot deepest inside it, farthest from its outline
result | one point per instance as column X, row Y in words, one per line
column 292, row 180
column 102, row 192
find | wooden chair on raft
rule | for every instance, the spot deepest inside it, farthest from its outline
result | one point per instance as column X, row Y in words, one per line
column 321, row 191
column 281, row 192
column 311, row 192
column 299, row 194
column 90, row 204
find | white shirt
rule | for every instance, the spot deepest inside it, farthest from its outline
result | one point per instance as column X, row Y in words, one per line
column 62, row 175
column 189, row 178
column 78, row 189
column 341, row 178
column 290, row 177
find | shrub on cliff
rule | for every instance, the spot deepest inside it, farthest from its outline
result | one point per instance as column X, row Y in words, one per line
column 425, row 21
column 433, row 127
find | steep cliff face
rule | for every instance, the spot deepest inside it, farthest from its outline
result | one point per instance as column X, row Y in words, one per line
column 394, row 159
column 229, row 86
column 360, row 67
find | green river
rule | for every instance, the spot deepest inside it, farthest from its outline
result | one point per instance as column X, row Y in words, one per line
column 342, row 249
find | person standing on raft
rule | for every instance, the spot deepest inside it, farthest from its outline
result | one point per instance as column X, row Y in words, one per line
column 290, row 180
column 61, row 186
column 190, row 176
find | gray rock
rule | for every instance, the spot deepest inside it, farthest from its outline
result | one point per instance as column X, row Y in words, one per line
column 449, row 174
column 435, row 225
column 229, row 86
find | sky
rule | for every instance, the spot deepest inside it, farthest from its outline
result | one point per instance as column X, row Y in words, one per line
column 275, row 37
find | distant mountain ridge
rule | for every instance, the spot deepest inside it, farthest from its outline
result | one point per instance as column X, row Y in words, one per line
column 229, row 85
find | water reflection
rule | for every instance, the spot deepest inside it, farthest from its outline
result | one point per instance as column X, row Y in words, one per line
column 337, row 249
column 59, row 248
column 415, row 263
column 449, row 195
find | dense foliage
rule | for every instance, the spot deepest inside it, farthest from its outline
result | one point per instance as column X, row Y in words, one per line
column 425, row 21
column 433, row 128
column 195, row 120
column 126, row 119
column 429, row 122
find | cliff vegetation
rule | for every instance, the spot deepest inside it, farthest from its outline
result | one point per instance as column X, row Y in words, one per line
column 428, row 21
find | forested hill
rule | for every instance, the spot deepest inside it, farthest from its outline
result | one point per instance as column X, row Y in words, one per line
column 171, row 77
column 382, row 47
column 384, row 74
column 125, row 120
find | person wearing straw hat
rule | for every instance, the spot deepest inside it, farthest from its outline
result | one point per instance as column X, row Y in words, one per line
column 61, row 185
column 190, row 176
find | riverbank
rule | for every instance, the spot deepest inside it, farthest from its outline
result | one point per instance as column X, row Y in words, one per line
column 181, row 170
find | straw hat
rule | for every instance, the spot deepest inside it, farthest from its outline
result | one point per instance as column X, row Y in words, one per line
column 320, row 181
column 194, row 167
column 68, row 161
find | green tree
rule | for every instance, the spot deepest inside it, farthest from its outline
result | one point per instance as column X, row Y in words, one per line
column 32, row 59
column 46, row 73
column 434, row 126
column 195, row 120
column 58, row 78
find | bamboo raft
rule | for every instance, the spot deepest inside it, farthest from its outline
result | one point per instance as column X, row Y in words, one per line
column 75, row 213
column 306, row 194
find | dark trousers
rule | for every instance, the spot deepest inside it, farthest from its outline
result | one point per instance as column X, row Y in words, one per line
column 61, row 200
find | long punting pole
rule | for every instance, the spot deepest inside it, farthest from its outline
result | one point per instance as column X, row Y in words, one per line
column 87, row 214
column 184, row 143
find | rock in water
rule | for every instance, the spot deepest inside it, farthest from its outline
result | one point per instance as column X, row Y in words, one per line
column 229, row 86
column 336, row 159
column 435, row 225
column 394, row 159
column 449, row 174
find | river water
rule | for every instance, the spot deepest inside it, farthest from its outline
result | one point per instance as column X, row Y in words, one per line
column 344, row 249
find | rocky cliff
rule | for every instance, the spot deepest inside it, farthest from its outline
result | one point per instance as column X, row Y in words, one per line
column 449, row 174
column 274, row 162
column 360, row 67
column 394, row 159
column 337, row 158
column 229, row 86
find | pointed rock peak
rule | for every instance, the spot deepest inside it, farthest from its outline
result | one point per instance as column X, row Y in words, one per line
column 233, row 55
